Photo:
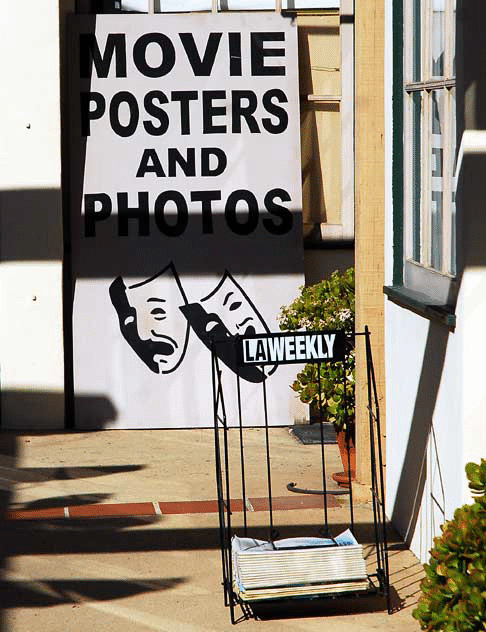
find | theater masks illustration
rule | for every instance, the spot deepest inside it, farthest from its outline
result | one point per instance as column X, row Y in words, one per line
column 220, row 316
column 150, row 318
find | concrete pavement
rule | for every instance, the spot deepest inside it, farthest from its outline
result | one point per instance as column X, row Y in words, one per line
column 123, row 561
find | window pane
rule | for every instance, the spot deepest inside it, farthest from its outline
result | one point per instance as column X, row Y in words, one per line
column 436, row 178
column 453, row 43
column 321, row 164
column 416, row 104
column 319, row 54
column 430, row 137
column 320, row 74
column 416, row 40
column 452, row 264
column 438, row 38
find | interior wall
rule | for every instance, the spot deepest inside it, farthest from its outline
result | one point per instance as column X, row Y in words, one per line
column 320, row 264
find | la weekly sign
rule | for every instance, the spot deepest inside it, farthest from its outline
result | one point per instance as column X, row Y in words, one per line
column 290, row 348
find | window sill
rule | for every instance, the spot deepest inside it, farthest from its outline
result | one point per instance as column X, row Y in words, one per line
column 421, row 304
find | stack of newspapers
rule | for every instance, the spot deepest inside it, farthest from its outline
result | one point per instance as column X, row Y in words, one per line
column 297, row 567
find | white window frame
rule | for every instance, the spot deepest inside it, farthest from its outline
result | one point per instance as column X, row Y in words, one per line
column 421, row 273
column 345, row 230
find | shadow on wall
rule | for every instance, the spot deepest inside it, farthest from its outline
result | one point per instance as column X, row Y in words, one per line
column 31, row 232
column 31, row 225
column 20, row 407
column 410, row 490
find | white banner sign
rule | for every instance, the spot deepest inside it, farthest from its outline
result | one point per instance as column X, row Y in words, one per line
column 186, row 209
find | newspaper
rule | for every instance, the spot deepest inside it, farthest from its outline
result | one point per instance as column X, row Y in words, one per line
column 250, row 545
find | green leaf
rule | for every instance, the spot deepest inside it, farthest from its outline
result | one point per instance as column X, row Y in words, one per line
column 454, row 587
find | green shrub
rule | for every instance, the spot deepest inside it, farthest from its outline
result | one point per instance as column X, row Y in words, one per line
column 328, row 304
column 454, row 587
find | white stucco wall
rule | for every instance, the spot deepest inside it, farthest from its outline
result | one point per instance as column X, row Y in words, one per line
column 435, row 412
column 472, row 367
column 425, row 474
column 435, row 377
column 423, row 394
column 31, row 338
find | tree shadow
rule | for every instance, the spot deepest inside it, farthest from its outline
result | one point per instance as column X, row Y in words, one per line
column 8, row 454
column 48, row 408
column 43, row 593
column 62, row 473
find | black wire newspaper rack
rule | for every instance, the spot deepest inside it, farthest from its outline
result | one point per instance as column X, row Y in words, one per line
column 331, row 566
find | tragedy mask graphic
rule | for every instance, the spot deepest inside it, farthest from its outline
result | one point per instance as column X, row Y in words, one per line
column 150, row 318
column 222, row 315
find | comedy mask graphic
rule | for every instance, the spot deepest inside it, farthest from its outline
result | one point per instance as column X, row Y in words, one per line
column 150, row 319
column 225, row 313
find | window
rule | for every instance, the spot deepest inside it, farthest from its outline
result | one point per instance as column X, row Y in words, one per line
column 326, row 88
column 429, row 142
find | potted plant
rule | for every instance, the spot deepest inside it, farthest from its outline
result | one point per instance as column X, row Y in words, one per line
column 328, row 304
column 454, row 587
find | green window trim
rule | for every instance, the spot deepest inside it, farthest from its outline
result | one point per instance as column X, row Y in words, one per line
column 397, row 140
column 421, row 304
column 417, row 302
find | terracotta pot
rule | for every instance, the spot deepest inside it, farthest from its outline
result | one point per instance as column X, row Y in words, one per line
column 342, row 478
